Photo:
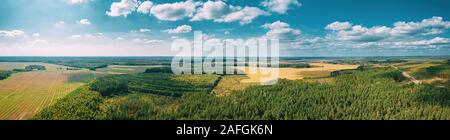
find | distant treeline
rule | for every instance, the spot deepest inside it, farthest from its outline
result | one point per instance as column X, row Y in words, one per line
column 295, row 65
column 92, row 63
column 388, row 61
column 351, row 71
column 159, row 70
column 30, row 68
column 4, row 74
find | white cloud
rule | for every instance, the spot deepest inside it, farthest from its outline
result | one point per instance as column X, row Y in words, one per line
column 363, row 34
column 84, row 22
column 75, row 36
column 349, row 32
column 310, row 41
column 280, row 6
column 77, row 1
column 122, row 8
column 145, row 7
column 39, row 41
column 336, row 26
column 282, row 31
column 36, row 35
column 434, row 25
column 144, row 30
column 86, row 36
column 153, row 41
column 174, row 11
column 219, row 11
column 276, row 25
column 180, row 29
column 212, row 10
column 59, row 24
column 244, row 16
column 405, row 44
column 434, row 41
column 12, row 33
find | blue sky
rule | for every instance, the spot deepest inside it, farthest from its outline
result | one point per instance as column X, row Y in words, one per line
column 146, row 28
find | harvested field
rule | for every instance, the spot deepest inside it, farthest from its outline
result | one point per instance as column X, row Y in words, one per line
column 26, row 93
column 318, row 70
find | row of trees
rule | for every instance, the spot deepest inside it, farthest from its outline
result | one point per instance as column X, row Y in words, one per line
column 35, row 67
column 30, row 68
column 6, row 74
column 159, row 70
column 295, row 65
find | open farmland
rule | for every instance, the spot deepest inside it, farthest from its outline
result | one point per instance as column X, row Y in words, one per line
column 24, row 94
column 318, row 70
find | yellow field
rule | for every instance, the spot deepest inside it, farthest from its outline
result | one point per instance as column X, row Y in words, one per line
column 24, row 94
column 229, row 84
column 318, row 70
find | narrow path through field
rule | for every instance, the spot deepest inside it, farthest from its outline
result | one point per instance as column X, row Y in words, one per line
column 411, row 78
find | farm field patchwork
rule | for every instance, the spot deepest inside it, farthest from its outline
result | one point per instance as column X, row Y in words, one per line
column 26, row 93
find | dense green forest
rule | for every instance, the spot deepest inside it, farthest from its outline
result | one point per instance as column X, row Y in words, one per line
column 159, row 70
column 371, row 94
